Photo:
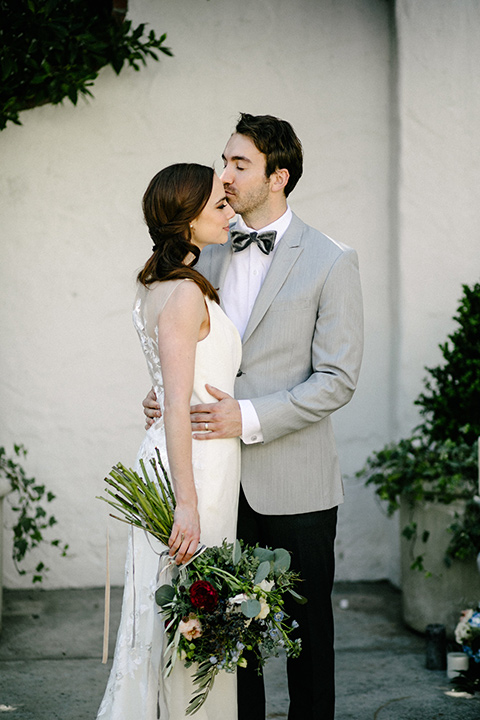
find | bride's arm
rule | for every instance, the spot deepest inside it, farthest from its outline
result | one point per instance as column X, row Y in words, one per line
column 180, row 325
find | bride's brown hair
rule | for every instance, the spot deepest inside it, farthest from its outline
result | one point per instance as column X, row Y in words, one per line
column 175, row 197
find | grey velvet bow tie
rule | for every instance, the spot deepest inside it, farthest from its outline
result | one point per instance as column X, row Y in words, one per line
column 264, row 240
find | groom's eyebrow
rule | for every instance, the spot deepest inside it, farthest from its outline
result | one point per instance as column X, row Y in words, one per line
column 242, row 158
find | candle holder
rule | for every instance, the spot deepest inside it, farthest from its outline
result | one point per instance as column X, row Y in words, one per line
column 436, row 647
column 457, row 662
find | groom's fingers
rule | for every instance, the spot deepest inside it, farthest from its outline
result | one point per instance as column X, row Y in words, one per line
column 219, row 420
column 216, row 393
column 202, row 410
column 151, row 409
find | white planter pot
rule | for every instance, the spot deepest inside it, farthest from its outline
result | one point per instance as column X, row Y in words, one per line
column 441, row 597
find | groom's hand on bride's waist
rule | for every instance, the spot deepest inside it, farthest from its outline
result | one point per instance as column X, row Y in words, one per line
column 221, row 419
column 151, row 409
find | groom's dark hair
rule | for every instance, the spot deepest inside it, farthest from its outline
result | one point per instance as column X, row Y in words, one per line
column 277, row 140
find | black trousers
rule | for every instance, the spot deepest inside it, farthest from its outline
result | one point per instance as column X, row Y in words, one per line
column 310, row 538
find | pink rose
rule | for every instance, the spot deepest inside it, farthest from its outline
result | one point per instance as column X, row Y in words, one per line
column 190, row 627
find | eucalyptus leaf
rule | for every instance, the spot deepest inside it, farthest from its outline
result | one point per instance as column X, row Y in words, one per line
column 237, row 552
column 250, row 608
column 282, row 560
column 262, row 572
column 164, row 595
column 264, row 554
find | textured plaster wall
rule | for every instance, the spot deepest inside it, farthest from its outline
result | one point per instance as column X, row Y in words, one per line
column 72, row 375
column 439, row 180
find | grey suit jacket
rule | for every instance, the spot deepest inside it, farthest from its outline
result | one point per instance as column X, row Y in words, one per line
column 302, row 351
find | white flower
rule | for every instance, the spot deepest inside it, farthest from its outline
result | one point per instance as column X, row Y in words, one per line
column 238, row 599
column 265, row 609
column 463, row 630
column 265, row 585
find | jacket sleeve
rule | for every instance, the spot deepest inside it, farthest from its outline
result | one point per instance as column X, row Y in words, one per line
column 336, row 354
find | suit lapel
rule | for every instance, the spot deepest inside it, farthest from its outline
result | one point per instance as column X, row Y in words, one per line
column 286, row 255
column 218, row 266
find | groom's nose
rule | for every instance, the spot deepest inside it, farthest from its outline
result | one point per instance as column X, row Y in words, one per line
column 226, row 176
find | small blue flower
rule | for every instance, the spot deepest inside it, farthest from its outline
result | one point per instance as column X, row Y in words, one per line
column 294, row 624
column 213, row 660
column 475, row 620
column 240, row 646
column 279, row 616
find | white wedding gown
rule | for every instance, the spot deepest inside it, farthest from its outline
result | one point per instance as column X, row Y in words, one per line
column 136, row 687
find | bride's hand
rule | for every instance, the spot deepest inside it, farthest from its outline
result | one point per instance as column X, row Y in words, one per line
column 185, row 535
column 151, row 409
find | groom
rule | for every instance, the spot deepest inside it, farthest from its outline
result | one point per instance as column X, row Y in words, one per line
column 294, row 295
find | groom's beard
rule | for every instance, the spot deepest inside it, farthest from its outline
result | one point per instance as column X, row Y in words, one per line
column 246, row 202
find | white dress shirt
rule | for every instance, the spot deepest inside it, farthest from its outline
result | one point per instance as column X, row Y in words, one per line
column 245, row 275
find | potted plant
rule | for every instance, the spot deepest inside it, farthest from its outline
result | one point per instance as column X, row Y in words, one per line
column 27, row 499
column 432, row 478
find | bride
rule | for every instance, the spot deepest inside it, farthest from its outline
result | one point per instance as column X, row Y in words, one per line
column 188, row 342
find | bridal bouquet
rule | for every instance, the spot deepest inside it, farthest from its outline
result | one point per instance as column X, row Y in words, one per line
column 467, row 633
column 226, row 600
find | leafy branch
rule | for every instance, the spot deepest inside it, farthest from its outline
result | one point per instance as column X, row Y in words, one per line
column 54, row 49
column 32, row 518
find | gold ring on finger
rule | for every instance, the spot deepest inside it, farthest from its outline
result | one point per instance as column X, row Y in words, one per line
column 206, row 426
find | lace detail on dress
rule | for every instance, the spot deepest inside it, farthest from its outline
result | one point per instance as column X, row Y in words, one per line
column 150, row 350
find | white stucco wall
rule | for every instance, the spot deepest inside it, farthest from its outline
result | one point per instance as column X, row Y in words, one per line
column 439, row 171
column 72, row 375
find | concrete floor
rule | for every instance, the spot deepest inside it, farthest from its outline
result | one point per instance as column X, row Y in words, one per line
column 51, row 645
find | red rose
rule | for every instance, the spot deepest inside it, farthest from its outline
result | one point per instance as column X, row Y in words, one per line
column 203, row 595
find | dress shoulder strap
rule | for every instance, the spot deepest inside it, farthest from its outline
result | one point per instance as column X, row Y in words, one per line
column 153, row 300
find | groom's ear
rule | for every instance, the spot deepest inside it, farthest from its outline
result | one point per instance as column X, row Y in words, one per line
column 279, row 179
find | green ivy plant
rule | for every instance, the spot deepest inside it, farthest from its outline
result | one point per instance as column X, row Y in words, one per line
column 54, row 49
column 439, row 461
column 33, row 520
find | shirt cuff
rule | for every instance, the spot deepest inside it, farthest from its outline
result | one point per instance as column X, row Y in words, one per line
column 251, row 430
